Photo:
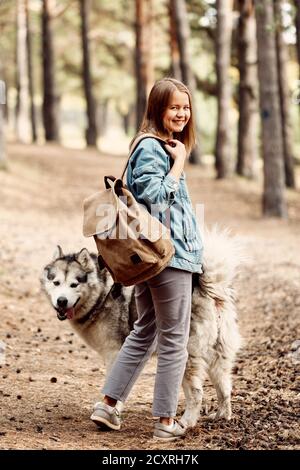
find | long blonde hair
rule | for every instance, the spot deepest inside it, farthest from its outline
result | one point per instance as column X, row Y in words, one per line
column 157, row 104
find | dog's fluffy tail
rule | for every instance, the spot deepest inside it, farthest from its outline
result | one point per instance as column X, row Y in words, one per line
column 223, row 256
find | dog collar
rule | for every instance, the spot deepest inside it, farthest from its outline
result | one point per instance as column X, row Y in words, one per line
column 91, row 313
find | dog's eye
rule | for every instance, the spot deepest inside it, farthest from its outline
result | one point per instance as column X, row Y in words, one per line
column 50, row 275
column 74, row 285
column 56, row 283
column 82, row 279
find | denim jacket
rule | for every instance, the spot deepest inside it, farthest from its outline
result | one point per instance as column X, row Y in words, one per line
column 149, row 182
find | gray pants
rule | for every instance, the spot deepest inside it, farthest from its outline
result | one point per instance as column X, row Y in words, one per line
column 164, row 312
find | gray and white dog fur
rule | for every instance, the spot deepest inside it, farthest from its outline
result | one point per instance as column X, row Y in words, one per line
column 103, row 313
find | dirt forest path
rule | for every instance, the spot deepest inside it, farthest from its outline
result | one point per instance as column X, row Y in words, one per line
column 49, row 380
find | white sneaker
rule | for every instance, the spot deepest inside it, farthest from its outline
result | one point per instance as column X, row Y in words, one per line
column 106, row 415
column 168, row 432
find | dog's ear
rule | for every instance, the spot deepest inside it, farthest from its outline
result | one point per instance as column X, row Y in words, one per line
column 58, row 253
column 84, row 258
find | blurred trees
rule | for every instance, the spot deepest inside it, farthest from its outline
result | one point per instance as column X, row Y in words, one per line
column 297, row 23
column 174, row 47
column 143, row 55
column 22, row 79
column 91, row 131
column 284, row 97
column 248, row 90
column 30, row 74
column 180, row 23
column 272, row 142
column 223, row 150
column 50, row 104
column 70, row 59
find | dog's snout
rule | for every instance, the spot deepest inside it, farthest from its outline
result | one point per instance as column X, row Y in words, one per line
column 62, row 302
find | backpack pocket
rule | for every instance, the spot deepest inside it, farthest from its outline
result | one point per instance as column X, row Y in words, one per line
column 127, row 260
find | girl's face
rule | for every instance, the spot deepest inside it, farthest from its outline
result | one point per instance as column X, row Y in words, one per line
column 177, row 113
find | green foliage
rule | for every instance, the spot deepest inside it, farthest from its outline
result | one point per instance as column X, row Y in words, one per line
column 112, row 47
column 7, row 34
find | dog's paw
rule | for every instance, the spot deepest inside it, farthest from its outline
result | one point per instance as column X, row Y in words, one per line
column 212, row 416
column 220, row 414
column 188, row 420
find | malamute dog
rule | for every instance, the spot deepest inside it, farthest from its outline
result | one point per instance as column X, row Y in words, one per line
column 103, row 313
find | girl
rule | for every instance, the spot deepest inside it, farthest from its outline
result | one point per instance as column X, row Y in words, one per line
column 155, row 177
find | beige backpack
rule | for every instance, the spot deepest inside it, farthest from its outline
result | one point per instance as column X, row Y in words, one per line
column 132, row 244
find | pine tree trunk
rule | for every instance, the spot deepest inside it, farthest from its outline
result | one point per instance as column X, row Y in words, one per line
column 182, row 28
column 126, row 122
column 297, row 23
column 174, row 49
column 102, row 117
column 149, row 40
column 91, row 131
column 22, row 105
column 248, row 105
column 144, row 67
column 49, row 107
column 223, row 52
column 30, row 75
column 284, row 94
column 274, row 203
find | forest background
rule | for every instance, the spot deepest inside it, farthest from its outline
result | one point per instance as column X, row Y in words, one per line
column 74, row 79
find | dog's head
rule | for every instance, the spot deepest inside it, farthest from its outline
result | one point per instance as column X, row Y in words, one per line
column 68, row 281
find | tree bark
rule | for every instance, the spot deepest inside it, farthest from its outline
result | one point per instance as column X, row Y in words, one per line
column 50, row 100
column 284, row 94
column 297, row 23
column 144, row 68
column 174, row 48
column 30, row 75
column 22, row 105
column 182, row 28
column 102, row 116
column 274, row 203
column 91, row 131
column 126, row 122
column 223, row 51
column 248, row 105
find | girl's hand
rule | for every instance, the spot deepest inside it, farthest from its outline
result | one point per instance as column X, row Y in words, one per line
column 176, row 149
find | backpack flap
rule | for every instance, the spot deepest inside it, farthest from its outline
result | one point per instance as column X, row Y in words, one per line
column 99, row 213
column 151, row 228
column 135, row 218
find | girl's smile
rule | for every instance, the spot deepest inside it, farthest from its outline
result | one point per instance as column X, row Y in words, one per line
column 177, row 113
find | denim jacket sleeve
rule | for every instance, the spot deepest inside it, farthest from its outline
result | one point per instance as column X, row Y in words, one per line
column 151, row 182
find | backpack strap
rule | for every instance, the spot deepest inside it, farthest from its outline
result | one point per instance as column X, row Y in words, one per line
column 136, row 142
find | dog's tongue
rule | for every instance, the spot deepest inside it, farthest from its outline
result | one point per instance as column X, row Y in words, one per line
column 70, row 313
